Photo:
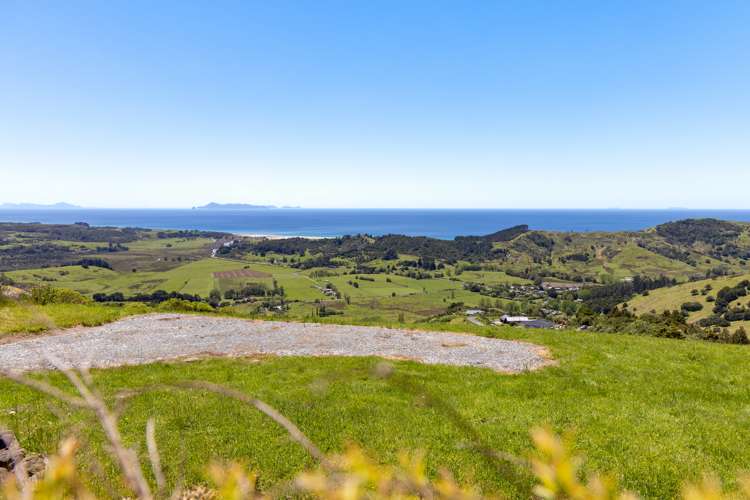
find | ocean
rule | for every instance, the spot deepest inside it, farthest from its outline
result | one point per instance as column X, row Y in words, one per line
column 437, row 223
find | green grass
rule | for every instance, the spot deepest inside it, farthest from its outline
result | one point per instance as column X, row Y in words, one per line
column 297, row 284
column 371, row 301
column 652, row 412
column 25, row 318
column 91, row 280
column 491, row 278
column 672, row 298
column 634, row 260
column 154, row 254
column 193, row 278
column 169, row 244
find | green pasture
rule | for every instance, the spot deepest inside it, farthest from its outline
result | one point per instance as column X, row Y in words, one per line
column 672, row 298
column 491, row 278
column 193, row 278
column 653, row 413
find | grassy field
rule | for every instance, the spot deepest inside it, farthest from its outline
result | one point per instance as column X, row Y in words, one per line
column 652, row 412
column 194, row 278
column 672, row 298
column 31, row 318
column 491, row 278
column 297, row 284
column 376, row 295
column 611, row 257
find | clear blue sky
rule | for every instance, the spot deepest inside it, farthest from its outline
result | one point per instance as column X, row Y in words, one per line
column 376, row 104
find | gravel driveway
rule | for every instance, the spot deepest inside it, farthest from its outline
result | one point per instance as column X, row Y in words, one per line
column 145, row 339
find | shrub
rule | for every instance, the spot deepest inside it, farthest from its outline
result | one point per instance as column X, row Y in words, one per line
column 47, row 295
column 136, row 308
column 390, row 254
column 247, row 291
column 739, row 336
column 322, row 273
column 185, row 306
column 691, row 306
column 85, row 263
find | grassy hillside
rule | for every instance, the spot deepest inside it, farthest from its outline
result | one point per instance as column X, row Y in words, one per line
column 679, row 250
column 371, row 279
column 670, row 299
column 607, row 257
column 652, row 412
column 193, row 278
column 25, row 318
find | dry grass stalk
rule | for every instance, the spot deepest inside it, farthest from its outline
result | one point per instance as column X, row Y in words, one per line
column 90, row 399
column 153, row 454
column 293, row 431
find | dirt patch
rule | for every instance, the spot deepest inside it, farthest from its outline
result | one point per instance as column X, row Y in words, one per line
column 12, row 292
column 161, row 337
column 241, row 273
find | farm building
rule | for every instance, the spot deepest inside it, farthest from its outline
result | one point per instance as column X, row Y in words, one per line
column 513, row 319
column 525, row 322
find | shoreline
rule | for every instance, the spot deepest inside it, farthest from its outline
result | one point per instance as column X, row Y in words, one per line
column 282, row 236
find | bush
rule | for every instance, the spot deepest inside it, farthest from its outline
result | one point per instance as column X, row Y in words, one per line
column 85, row 263
column 739, row 336
column 185, row 306
column 44, row 295
column 135, row 308
column 691, row 306
column 247, row 291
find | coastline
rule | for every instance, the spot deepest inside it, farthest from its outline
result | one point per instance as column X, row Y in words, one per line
column 281, row 236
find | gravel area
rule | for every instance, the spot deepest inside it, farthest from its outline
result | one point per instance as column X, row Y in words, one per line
column 146, row 339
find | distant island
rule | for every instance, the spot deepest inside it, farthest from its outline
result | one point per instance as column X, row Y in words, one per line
column 37, row 206
column 232, row 206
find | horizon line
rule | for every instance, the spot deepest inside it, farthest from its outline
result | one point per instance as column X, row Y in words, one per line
column 41, row 207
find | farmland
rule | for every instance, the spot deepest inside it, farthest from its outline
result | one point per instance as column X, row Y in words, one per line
column 393, row 278
column 653, row 412
column 702, row 292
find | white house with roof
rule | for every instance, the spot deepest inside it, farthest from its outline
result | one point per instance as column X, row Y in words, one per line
column 513, row 319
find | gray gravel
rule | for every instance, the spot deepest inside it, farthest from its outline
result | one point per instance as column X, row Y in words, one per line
column 146, row 339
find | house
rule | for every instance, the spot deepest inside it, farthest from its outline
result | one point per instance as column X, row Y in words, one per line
column 473, row 312
column 561, row 287
column 513, row 319
column 525, row 322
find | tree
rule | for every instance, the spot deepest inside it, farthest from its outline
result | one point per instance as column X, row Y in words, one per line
column 390, row 254
column 214, row 298
column 739, row 336
column 691, row 306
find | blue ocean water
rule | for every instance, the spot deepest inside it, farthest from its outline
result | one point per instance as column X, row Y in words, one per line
column 436, row 223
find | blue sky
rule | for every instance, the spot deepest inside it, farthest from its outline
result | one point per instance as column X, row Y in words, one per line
column 500, row 104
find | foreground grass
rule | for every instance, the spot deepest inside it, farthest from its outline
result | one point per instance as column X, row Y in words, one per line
column 652, row 412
